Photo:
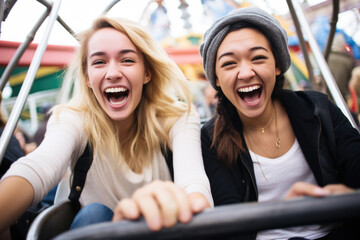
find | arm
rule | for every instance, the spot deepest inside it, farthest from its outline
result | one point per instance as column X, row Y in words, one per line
column 12, row 201
column 189, row 172
column 223, row 185
column 347, row 148
column 31, row 177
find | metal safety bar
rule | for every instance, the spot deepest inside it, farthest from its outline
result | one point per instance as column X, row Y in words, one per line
column 28, row 81
column 20, row 51
column 298, row 15
column 235, row 219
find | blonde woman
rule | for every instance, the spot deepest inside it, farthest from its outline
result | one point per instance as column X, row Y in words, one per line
column 129, row 100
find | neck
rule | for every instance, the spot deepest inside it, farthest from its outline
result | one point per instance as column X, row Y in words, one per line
column 262, row 122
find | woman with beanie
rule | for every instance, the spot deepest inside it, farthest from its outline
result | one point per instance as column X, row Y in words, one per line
column 266, row 143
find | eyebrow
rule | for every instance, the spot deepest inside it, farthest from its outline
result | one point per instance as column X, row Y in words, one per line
column 124, row 51
column 251, row 49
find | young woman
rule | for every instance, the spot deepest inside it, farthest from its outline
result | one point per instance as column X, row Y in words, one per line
column 266, row 143
column 129, row 100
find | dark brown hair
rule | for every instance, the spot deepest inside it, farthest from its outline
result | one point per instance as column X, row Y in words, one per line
column 228, row 140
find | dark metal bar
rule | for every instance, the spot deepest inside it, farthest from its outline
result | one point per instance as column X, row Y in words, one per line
column 2, row 8
column 8, row 6
column 59, row 19
column 113, row 3
column 20, row 51
column 27, row 84
column 233, row 219
column 302, row 41
column 333, row 22
column 324, row 68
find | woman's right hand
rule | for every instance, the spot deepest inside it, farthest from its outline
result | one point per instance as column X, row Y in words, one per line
column 162, row 204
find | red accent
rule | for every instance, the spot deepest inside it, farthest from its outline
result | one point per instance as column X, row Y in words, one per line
column 54, row 55
column 57, row 55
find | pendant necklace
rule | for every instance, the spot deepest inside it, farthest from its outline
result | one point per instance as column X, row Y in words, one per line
column 277, row 142
column 272, row 116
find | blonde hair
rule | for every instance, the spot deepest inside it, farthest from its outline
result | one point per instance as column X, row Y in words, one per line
column 165, row 98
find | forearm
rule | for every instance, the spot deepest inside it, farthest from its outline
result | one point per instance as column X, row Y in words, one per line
column 16, row 195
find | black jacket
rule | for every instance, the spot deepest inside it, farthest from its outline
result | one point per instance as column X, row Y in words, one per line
column 330, row 145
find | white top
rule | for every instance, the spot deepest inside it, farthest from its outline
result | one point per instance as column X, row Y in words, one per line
column 106, row 183
column 281, row 174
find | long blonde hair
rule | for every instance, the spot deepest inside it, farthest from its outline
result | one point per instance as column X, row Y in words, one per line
column 165, row 98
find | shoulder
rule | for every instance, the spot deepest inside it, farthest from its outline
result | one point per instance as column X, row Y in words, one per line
column 302, row 100
column 66, row 120
column 65, row 114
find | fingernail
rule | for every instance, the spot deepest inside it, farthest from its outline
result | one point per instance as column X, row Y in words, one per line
column 321, row 191
column 155, row 224
column 197, row 205
column 185, row 215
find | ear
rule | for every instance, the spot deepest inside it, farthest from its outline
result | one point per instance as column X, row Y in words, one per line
column 88, row 82
column 147, row 78
column 277, row 71
column 217, row 82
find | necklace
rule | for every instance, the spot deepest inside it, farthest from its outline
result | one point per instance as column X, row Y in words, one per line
column 249, row 138
column 277, row 141
column 258, row 162
column 272, row 116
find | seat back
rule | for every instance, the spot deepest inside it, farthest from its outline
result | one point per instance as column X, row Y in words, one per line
column 52, row 221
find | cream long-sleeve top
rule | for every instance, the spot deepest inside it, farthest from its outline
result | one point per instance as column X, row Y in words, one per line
column 107, row 182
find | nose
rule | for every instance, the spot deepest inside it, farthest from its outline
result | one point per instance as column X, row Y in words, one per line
column 245, row 71
column 113, row 71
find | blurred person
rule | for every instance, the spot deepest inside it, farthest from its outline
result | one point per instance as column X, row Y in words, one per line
column 341, row 62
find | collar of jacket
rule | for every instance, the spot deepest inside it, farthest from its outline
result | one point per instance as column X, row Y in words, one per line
column 306, row 125
column 305, row 121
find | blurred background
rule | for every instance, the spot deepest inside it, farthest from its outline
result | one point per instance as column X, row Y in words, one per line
column 178, row 25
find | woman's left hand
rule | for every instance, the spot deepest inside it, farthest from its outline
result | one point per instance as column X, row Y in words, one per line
column 300, row 189
column 162, row 204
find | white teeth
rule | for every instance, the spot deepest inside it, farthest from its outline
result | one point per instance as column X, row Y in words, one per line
column 249, row 89
column 115, row 90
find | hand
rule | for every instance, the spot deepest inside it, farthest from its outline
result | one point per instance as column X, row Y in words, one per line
column 300, row 189
column 162, row 204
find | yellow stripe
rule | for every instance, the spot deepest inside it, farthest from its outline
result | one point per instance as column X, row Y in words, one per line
column 42, row 71
column 300, row 64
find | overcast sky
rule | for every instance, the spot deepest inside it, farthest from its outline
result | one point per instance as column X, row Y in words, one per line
column 79, row 14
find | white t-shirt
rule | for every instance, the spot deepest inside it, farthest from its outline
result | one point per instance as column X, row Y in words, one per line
column 281, row 174
column 106, row 183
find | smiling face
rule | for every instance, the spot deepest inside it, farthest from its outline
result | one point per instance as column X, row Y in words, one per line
column 246, row 71
column 116, row 73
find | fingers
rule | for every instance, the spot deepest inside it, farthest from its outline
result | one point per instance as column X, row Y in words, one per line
column 183, row 212
column 198, row 202
column 300, row 189
column 126, row 209
column 162, row 204
column 338, row 189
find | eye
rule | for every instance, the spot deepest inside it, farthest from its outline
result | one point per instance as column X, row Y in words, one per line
column 128, row 60
column 98, row 62
column 228, row 63
column 259, row 57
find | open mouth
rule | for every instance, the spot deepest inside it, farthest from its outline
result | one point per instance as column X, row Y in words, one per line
column 116, row 95
column 250, row 94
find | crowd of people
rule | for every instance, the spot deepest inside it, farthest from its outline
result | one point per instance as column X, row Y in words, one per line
column 263, row 143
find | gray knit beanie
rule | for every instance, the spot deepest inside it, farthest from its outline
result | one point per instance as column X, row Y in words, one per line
column 267, row 24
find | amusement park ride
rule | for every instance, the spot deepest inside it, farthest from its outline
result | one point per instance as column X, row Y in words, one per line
column 44, row 64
